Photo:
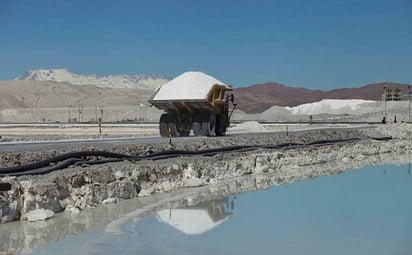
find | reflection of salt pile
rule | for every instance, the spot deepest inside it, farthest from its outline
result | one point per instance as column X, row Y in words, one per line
column 332, row 106
column 197, row 219
column 249, row 126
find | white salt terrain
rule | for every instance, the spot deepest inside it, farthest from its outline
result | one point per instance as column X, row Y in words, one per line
column 333, row 106
column 336, row 110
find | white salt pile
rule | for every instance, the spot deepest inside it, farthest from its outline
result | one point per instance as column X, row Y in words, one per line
column 188, row 86
column 330, row 106
column 248, row 126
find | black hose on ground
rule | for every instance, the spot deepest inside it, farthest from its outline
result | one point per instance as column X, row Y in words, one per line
column 41, row 168
column 44, row 170
column 59, row 158
column 4, row 186
column 324, row 142
column 68, row 159
column 384, row 138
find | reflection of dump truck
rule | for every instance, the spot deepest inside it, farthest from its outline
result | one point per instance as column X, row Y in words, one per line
column 193, row 101
column 200, row 218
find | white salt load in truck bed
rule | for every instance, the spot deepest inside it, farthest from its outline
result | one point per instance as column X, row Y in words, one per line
column 187, row 86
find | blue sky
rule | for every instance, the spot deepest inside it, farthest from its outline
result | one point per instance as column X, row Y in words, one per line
column 312, row 44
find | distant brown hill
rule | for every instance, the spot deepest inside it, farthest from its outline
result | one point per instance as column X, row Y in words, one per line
column 260, row 97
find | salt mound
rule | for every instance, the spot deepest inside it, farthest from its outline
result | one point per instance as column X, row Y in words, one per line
column 330, row 106
column 276, row 113
column 248, row 126
column 188, row 86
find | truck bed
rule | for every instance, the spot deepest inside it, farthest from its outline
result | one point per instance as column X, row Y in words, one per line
column 182, row 105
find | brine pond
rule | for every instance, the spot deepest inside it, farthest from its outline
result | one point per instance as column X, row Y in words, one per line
column 365, row 211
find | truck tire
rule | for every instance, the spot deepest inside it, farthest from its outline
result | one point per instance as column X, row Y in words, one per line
column 184, row 133
column 163, row 122
column 209, row 124
column 173, row 125
column 221, row 125
column 197, row 124
column 184, row 125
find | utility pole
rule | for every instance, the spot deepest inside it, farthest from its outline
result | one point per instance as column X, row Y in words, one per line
column 101, row 113
column 386, row 107
column 80, row 112
column 70, row 116
column 409, row 88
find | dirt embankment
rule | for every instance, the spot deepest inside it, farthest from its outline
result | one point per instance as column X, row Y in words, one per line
column 20, row 158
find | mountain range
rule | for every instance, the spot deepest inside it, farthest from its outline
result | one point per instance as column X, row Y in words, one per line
column 260, row 97
column 145, row 82
column 252, row 99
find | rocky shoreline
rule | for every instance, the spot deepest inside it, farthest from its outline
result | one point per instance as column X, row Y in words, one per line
column 83, row 187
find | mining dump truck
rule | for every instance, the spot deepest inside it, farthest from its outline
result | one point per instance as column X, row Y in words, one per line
column 193, row 101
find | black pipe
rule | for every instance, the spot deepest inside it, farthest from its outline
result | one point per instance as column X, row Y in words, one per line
column 47, row 162
column 384, row 138
column 333, row 141
column 68, row 159
column 4, row 186
column 44, row 170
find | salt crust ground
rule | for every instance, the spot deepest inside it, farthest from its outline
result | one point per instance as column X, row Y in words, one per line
column 288, row 166
column 48, row 132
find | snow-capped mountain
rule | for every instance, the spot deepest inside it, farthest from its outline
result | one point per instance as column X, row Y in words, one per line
column 146, row 82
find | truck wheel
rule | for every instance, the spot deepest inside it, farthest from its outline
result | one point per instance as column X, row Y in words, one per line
column 184, row 133
column 184, row 125
column 220, row 126
column 209, row 124
column 197, row 124
column 164, row 119
column 173, row 125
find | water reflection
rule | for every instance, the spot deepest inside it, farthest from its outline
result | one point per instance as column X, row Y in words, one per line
column 198, row 219
column 359, row 212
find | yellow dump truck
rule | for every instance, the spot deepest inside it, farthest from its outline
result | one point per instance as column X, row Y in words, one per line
column 193, row 101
